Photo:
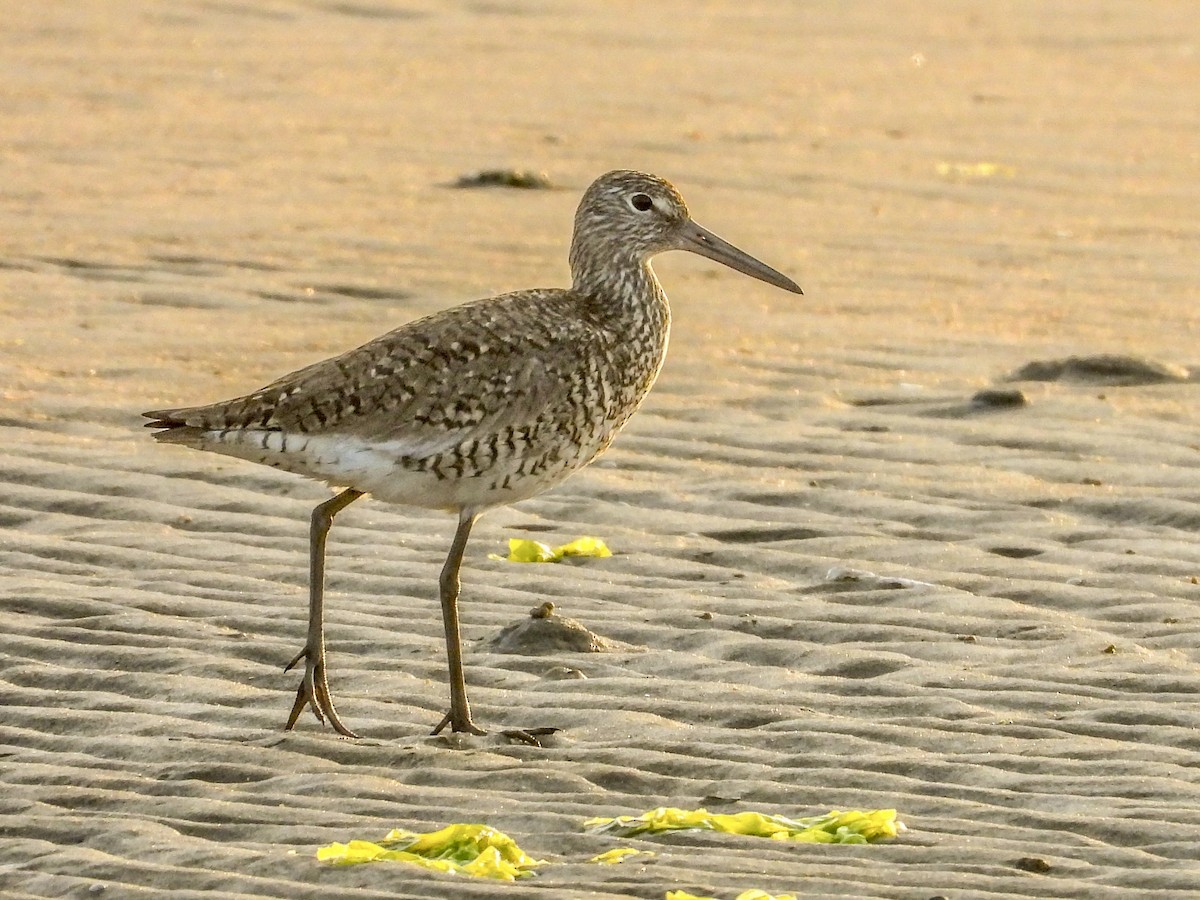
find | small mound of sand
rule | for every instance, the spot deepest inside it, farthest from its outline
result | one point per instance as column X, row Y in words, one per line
column 545, row 631
column 1104, row 368
column 998, row 398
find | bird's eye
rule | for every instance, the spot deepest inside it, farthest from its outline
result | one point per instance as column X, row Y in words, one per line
column 641, row 202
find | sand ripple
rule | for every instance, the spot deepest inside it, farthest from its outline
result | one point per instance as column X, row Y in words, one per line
column 853, row 569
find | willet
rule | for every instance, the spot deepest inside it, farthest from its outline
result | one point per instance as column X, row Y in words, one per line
column 477, row 406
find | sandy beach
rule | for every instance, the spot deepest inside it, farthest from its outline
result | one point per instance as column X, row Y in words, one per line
column 865, row 555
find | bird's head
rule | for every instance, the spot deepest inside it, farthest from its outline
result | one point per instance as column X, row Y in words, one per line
column 633, row 215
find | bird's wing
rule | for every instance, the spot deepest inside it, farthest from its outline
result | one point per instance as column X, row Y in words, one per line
column 427, row 386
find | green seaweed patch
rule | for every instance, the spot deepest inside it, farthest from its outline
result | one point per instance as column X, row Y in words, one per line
column 523, row 179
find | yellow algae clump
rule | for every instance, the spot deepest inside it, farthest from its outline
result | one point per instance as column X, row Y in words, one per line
column 850, row 827
column 975, row 170
column 475, row 850
column 526, row 551
column 619, row 855
column 753, row 894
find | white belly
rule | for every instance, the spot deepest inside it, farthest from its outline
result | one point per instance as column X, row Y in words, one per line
column 389, row 472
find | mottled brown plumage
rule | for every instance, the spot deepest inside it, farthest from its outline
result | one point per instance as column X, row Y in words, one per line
column 476, row 406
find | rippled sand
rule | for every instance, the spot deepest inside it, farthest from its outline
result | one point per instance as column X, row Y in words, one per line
column 843, row 578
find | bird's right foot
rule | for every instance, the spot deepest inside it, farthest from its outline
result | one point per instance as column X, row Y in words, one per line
column 313, row 693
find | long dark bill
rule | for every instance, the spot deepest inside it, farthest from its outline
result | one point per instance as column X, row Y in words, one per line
column 700, row 240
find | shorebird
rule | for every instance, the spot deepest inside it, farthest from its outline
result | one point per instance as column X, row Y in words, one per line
column 476, row 406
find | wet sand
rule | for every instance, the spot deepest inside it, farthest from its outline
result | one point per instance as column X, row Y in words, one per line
column 842, row 578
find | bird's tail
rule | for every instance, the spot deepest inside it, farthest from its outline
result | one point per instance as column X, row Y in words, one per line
column 174, row 427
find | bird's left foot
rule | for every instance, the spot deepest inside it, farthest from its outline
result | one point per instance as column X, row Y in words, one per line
column 458, row 724
column 313, row 693
column 531, row 736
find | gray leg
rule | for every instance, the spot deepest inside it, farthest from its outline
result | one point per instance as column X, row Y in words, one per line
column 459, row 717
column 314, row 687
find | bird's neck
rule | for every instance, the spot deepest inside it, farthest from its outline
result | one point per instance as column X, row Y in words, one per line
column 631, row 318
column 621, row 284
